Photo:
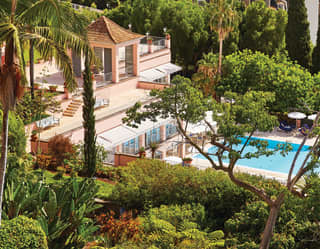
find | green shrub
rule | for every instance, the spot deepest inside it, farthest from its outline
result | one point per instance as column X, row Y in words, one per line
column 22, row 233
column 153, row 183
column 16, row 135
column 178, row 226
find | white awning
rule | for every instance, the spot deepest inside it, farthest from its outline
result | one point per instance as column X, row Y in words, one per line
column 159, row 72
column 169, row 68
column 107, row 145
column 117, row 135
column 148, row 125
column 152, row 74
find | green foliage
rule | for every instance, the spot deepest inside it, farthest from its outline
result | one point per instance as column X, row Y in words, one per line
column 298, row 26
column 247, row 226
column 263, row 29
column 16, row 137
column 62, row 208
column 293, row 86
column 31, row 110
column 89, row 146
column 179, row 227
column 22, row 233
column 153, row 183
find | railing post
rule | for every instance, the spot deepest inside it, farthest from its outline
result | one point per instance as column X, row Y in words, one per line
column 150, row 47
column 168, row 41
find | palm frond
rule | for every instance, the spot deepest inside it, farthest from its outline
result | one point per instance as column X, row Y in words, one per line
column 49, row 10
column 6, row 31
column 48, row 49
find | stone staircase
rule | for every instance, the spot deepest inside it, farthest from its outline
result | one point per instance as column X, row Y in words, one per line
column 72, row 108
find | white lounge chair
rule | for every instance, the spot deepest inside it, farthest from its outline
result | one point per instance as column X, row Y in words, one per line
column 48, row 122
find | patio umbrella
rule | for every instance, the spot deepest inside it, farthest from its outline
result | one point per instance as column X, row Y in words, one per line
column 312, row 117
column 297, row 116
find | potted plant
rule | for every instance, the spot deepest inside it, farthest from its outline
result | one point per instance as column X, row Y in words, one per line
column 34, row 135
column 149, row 40
column 36, row 86
column 142, row 152
column 187, row 161
column 53, row 88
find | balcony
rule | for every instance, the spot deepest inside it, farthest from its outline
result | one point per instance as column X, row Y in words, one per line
column 158, row 43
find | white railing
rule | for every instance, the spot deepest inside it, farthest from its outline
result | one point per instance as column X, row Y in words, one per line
column 158, row 43
column 79, row 6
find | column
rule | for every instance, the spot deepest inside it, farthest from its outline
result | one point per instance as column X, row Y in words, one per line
column 136, row 59
column 142, row 140
column 168, row 41
column 115, row 65
column 162, row 133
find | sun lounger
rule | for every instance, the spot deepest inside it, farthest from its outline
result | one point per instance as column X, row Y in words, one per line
column 48, row 122
column 101, row 103
column 304, row 130
column 285, row 127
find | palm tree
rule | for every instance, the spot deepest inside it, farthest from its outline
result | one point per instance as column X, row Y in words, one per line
column 49, row 34
column 207, row 77
column 223, row 18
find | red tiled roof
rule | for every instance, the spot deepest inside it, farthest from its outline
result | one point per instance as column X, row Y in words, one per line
column 103, row 30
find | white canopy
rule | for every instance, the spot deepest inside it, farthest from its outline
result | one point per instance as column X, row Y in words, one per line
column 107, row 145
column 152, row 74
column 147, row 125
column 159, row 72
column 297, row 115
column 117, row 135
column 169, row 68
column 312, row 117
column 173, row 160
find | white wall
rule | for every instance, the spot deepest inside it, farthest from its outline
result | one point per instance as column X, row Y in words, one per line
column 313, row 15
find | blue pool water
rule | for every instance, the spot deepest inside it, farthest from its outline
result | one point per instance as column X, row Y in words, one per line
column 275, row 162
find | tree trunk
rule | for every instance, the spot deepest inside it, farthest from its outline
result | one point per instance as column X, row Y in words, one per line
column 3, row 160
column 273, row 215
column 220, row 56
column 31, row 59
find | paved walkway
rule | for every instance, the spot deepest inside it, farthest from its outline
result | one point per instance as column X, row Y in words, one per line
column 117, row 104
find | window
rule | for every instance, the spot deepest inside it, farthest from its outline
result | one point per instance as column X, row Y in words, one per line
column 131, row 146
column 153, row 136
column 171, row 129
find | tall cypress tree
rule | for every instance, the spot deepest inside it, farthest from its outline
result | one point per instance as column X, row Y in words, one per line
column 90, row 151
column 298, row 34
column 316, row 53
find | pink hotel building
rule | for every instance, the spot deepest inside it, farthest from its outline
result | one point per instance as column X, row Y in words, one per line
column 132, row 64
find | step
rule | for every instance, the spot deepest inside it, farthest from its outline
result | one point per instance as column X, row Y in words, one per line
column 76, row 105
column 72, row 108
column 68, row 115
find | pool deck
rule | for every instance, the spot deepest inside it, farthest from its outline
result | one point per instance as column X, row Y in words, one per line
column 274, row 135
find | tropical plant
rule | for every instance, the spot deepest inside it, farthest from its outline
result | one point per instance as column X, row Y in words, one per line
column 51, row 42
column 223, row 19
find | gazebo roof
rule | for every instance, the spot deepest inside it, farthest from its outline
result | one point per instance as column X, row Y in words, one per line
column 103, row 30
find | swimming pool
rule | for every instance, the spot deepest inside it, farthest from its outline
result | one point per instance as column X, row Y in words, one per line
column 276, row 162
